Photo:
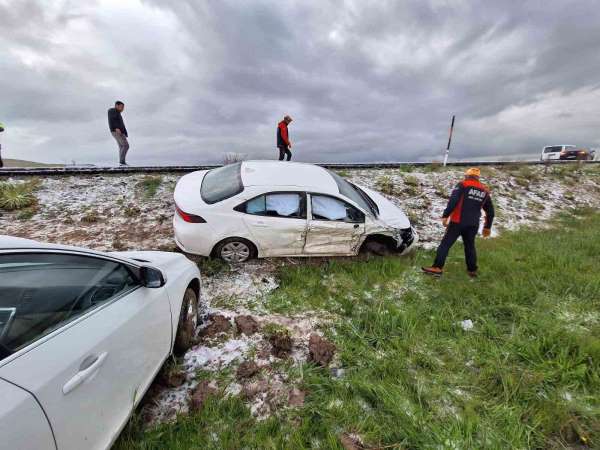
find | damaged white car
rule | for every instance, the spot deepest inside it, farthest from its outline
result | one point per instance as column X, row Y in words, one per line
column 271, row 208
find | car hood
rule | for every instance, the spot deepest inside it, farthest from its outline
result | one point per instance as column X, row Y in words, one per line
column 165, row 261
column 390, row 214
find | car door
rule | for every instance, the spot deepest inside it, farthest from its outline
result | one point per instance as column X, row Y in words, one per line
column 84, row 337
column 23, row 424
column 277, row 222
column 335, row 227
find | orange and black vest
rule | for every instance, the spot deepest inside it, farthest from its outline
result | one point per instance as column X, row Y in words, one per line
column 467, row 200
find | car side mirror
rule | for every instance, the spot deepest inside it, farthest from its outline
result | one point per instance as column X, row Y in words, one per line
column 151, row 277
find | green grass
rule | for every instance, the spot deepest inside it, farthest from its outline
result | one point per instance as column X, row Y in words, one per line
column 526, row 376
column 18, row 196
column 149, row 185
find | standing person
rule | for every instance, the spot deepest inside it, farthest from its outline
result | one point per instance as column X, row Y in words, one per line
column 461, row 218
column 118, row 130
column 283, row 139
column 1, row 131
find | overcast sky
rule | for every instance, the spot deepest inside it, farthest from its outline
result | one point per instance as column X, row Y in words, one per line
column 363, row 80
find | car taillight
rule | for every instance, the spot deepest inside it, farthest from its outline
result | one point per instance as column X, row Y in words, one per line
column 191, row 218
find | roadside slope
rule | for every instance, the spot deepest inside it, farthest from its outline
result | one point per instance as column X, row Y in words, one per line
column 510, row 360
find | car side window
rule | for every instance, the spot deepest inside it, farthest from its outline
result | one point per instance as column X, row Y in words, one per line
column 40, row 292
column 330, row 208
column 285, row 204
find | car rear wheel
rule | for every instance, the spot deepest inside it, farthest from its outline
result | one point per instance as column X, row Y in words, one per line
column 235, row 250
column 188, row 322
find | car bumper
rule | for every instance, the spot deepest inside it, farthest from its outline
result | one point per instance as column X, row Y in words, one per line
column 193, row 238
column 407, row 240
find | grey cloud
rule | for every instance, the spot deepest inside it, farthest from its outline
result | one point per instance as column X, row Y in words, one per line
column 365, row 80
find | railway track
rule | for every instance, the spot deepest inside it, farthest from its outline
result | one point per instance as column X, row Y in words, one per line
column 57, row 171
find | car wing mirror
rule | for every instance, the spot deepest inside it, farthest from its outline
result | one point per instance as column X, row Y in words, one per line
column 152, row 277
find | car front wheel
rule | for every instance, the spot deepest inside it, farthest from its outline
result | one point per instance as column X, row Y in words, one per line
column 188, row 322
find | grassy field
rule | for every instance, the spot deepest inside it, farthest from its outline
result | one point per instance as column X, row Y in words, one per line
column 527, row 375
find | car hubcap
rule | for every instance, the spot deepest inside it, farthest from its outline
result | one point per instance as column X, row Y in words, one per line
column 235, row 252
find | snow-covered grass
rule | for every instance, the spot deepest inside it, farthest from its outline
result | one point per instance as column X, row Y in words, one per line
column 134, row 211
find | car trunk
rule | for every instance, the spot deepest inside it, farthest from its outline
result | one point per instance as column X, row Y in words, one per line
column 187, row 192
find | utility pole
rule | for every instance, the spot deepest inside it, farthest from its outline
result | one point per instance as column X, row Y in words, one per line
column 449, row 141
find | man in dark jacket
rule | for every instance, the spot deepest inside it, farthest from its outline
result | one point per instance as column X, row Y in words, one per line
column 283, row 139
column 118, row 130
column 461, row 218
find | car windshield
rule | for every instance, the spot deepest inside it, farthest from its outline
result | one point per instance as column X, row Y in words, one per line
column 222, row 183
column 354, row 193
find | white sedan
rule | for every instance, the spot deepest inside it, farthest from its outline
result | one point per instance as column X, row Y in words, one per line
column 82, row 336
column 272, row 208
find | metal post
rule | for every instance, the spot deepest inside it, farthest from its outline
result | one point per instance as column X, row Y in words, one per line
column 449, row 141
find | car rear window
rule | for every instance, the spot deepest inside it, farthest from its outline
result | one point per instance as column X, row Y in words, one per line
column 222, row 183
column 555, row 149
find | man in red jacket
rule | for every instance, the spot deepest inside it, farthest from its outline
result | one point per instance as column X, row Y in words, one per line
column 283, row 138
column 461, row 218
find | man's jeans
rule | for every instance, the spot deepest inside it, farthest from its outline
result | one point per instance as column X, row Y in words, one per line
column 453, row 232
column 284, row 151
column 123, row 145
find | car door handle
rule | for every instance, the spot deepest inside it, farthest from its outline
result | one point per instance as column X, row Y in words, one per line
column 355, row 225
column 84, row 373
column 260, row 224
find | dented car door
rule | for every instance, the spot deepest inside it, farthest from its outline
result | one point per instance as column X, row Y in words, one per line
column 277, row 222
column 334, row 227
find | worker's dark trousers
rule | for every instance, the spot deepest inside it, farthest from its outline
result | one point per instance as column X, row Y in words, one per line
column 468, row 234
column 283, row 151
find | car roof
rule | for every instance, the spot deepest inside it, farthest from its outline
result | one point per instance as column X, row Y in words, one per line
column 285, row 174
column 560, row 145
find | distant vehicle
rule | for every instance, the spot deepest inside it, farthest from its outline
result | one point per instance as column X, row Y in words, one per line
column 267, row 208
column 82, row 336
column 565, row 152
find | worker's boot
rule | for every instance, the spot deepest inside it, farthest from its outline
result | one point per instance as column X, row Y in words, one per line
column 472, row 273
column 432, row 270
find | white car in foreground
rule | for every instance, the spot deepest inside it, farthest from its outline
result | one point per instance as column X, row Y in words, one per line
column 82, row 336
column 272, row 208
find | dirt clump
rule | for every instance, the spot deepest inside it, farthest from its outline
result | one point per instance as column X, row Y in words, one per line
column 296, row 397
column 205, row 389
column 217, row 324
column 351, row 442
column 281, row 343
column 247, row 369
column 247, row 325
column 320, row 350
column 172, row 379
column 252, row 389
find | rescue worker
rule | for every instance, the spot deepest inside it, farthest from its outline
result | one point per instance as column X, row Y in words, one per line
column 1, row 130
column 461, row 218
column 118, row 130
column 283, row 139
